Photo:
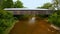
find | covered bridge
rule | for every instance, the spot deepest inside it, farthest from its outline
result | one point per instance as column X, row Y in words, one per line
column 18, row 11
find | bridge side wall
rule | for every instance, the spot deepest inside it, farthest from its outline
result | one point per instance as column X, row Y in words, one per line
column 18, row 12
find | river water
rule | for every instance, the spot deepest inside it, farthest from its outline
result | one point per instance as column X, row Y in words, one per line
column 33, row 26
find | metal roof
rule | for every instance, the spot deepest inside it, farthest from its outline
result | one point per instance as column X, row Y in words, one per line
column 23, row 9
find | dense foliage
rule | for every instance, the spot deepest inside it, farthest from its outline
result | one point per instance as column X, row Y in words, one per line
column 55, row 18
column 7, row 4
column 18, row 4
column 11, row 4
column 42, row 16
column 22, row 17
column 46, row 6
column 6, row 20
column 56, row 4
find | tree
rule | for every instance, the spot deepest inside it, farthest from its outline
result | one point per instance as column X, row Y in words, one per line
column 46, row 6
column 18, row 4
column 6, row 21
column 56, row 4
column 3, row 4
column 10, row 4
column 55, row 18
column 0, row 3
column 7, row 4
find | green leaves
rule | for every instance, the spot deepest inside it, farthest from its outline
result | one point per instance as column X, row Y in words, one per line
column 56, row 4
column 55, row 19
column 18, row 4
column 6, row 20
column 42, row 16
column 11, row 4
column 46, row 6
column 22, row 17
column 7, row 4
column 5, row 14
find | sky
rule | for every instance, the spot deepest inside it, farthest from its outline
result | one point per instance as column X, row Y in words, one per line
column 34, row 3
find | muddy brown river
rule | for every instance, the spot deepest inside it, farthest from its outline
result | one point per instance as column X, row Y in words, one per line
column 37, row 27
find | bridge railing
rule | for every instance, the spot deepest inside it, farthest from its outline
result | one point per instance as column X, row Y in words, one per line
column 19, row 12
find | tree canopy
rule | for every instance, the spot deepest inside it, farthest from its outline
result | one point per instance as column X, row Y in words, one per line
column 7, row 4
column 46, row 6
column 6, row 21
column 18, row 4
column 56, row 4
column 11, row 4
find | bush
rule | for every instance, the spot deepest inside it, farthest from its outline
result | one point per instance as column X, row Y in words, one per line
column 6, row 20
column 42, row 16
column 22, row 17
column 55, row 19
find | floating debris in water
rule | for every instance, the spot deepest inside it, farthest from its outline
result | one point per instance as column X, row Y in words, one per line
column 32, row 20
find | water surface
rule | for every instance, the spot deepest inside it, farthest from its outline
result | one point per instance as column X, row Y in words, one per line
column 33, row 27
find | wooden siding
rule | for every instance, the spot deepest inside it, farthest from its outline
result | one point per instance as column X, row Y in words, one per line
column 18, row 12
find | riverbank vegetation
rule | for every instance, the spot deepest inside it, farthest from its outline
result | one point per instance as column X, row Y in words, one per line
column 55, row 18
column 6, row 21
column 22, row 17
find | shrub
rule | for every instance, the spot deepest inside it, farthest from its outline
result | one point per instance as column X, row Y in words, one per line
column 42, row 16
column 55, row 18
column 22, row 17
column 25, row 16
column 6, row 20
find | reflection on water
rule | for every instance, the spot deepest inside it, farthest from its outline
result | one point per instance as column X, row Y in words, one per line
column 37, row 27
column 32, row 20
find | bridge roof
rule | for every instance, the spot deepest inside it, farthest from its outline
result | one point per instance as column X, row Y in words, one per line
column 23, row 9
